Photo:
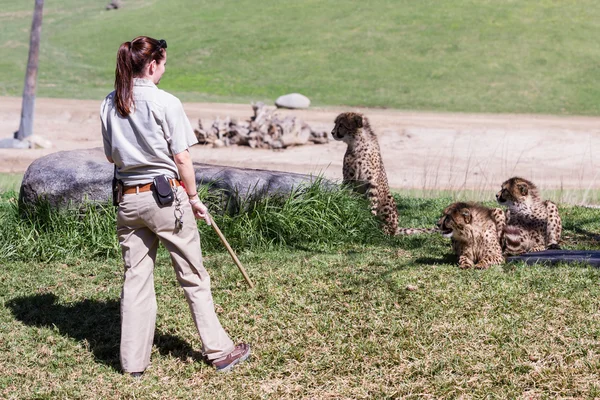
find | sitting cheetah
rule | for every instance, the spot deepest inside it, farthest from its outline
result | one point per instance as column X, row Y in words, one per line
column 531, row 223
column 475, row 232
column 363, row 168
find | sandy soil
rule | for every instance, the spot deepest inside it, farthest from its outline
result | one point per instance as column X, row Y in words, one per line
column 420, row 149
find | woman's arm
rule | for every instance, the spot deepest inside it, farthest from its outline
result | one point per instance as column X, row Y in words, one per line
column 183, row 161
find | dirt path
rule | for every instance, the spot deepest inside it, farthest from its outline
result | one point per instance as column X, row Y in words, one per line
column 420, row 150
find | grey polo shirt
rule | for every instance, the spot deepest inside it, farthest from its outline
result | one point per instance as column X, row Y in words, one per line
column 142, row 144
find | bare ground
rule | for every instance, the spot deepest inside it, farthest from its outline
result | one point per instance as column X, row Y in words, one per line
column 421, row 150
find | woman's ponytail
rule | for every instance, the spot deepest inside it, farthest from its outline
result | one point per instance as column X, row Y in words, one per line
column 132, row 58
column 124, row 80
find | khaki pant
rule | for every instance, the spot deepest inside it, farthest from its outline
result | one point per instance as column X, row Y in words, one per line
column 141, row 224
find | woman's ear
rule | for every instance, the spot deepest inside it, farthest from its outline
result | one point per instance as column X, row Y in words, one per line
column 152, row 67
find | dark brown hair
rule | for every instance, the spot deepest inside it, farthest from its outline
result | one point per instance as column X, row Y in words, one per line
column 132, row 58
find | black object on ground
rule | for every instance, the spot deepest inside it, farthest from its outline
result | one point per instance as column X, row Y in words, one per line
column 551, row 257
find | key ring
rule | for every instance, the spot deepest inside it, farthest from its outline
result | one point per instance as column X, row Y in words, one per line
column 178, row 213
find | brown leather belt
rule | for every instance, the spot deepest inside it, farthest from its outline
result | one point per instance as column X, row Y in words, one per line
column 147, row 187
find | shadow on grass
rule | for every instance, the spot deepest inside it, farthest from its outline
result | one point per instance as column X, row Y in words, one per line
column 94, row 322
column 448, row 258
column 579, row 236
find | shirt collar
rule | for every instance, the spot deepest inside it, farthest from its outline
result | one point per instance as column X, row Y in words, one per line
column 143, row 82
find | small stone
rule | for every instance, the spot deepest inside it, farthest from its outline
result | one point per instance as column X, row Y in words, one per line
column 114, row 5
column 411, row 288
column 218, row 143
column 38, row 142
column 292, row 100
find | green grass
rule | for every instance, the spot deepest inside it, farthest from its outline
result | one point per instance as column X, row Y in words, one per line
column 589, row 197
column 333, row 314
column 533, row 56
column 310, row 217
column 10, row 182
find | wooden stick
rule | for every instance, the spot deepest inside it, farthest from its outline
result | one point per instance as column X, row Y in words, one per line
column 231, row 253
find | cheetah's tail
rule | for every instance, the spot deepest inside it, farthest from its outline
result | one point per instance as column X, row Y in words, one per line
column 514, row 241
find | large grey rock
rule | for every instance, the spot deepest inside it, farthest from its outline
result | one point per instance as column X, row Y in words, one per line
column 68, row 177
column 72, row 177
column 292, row 100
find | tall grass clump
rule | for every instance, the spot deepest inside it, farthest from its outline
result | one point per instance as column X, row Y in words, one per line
column 310, row 217
column 314, row 216
column 44, row 233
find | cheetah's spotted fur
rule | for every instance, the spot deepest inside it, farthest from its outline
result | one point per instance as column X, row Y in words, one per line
column 475, row 232
column 532, row 224
column 363, row 168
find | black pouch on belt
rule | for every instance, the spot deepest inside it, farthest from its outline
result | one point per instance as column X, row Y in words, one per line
column 117, row 189
column 163, row 190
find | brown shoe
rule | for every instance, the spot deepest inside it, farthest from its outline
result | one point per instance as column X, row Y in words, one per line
column 240, row 353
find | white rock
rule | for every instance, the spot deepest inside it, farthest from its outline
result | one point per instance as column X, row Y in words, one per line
column 292, row 100
column 39, row 142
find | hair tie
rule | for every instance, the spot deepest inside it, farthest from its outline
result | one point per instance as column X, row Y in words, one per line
column 162, row 43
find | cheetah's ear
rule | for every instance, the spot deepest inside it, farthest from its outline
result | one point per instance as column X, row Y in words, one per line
column 466, row 215
column 523, row 188
column 358, row 121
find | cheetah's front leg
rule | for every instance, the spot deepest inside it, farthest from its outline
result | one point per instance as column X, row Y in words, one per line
column 466, row 257
column 493, row 255
column 465, row 262
column 499, row 218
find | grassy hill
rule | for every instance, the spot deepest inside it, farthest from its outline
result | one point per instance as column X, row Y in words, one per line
column 538, row 56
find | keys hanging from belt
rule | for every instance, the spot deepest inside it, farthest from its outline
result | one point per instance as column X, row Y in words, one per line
column 178, row 213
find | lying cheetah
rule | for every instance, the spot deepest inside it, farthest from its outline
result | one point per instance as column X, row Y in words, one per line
column 475, row 232
column 531, row 223
column 363, row 168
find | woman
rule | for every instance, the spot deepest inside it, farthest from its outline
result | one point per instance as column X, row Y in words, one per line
column 147, row 135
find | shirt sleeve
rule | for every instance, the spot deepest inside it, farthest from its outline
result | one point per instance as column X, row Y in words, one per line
column 106, row 139
column 178, row 130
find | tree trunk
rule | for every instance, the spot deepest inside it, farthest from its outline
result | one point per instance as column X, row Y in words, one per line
column 26, row 125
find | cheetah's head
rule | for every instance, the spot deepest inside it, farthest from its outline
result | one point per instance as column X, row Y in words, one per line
column 456, row 220
column 516, row 191
column 347, row 125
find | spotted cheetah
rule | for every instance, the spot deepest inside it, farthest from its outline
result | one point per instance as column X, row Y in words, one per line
column 532, row 224
column 475, row 233
column 363, row 168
